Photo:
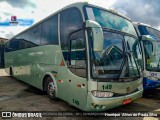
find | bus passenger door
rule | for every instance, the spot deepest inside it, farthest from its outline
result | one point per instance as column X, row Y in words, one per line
column 77, row 82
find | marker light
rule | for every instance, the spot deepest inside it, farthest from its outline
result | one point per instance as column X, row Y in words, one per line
column 102, row 94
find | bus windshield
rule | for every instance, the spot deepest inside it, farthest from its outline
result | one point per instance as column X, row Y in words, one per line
column 152, row 59
column 115, row 61
column 121, row 57
column 110, row 20
column 144, row 30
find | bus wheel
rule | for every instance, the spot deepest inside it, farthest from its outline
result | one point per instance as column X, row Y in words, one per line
column 51, row 89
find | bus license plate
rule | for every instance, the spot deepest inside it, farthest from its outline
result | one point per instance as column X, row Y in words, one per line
column 126, row 101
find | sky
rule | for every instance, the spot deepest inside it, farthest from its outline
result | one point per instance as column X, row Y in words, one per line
column 29, row 12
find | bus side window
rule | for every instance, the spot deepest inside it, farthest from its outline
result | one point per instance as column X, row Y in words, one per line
column 50, row 31
column 7, row 47
column 77, row 59
column 14, row 44
column 70, row 21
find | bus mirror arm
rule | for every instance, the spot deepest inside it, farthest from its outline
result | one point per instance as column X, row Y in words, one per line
column 97, row 35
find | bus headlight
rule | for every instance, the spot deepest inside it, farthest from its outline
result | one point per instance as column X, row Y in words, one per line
column 102, row 94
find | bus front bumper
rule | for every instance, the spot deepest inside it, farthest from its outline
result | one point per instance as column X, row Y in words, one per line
column 102, row 104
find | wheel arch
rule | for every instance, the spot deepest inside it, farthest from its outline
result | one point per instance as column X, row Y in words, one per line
column 44, row 83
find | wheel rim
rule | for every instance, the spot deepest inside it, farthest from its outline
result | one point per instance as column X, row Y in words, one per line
column 51, row 88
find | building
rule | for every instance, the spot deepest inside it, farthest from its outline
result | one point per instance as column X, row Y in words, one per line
column 2, row 44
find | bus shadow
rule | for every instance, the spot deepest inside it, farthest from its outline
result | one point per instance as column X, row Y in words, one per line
column 29, row 88
column 134, row 107
column 152, row 94
column 13, row 88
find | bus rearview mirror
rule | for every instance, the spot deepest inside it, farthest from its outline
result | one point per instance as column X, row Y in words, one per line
column 153, row 41
column 97, row 35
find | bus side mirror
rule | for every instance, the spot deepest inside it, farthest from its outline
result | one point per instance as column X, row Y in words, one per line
column 97, row 35
column 152, row 40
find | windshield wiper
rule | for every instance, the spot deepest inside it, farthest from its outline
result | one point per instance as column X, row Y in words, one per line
column 136, row 65
column 122, row 65
column 126, row 55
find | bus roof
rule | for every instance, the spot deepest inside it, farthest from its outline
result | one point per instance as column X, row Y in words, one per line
column 144, row 24
column 76, row 4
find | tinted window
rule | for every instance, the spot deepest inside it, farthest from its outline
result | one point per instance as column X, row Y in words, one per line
column 153, row 32
column 143, row 30
column 77, row 60
column 28, row 40
column 70, row 21
column 45, row 33
column 110, row 20
column 35, row 35
column 12, row 45
column 7, row 46
column 50, row 31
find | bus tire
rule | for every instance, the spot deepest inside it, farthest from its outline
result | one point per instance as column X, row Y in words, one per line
column 51, row 89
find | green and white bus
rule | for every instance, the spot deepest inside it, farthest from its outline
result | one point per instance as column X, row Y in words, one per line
column 83, row 54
